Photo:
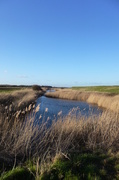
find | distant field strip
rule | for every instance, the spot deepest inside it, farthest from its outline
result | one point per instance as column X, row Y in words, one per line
column 106, row 89
column 9, row 89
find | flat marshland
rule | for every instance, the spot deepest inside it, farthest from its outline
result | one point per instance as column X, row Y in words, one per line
column 73, row 147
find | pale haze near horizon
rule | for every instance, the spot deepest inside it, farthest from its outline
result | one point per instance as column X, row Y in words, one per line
column 59, row 43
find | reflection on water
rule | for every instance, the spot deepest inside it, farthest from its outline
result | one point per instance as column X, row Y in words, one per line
column 51, row 108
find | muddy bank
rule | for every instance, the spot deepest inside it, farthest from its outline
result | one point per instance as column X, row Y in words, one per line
column 105, row 100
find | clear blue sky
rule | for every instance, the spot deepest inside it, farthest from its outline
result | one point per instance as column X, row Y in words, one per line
column 59, row 42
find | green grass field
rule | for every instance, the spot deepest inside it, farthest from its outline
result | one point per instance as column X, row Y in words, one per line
column 9, row 89
column 105, row 89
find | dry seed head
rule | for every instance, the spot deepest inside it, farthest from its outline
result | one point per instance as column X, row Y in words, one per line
column 26, row 109
column 48, row 118
column 46, row 109
column 59, row 113
column 33, row 106
column 6, row 107
column 40, row 116
column 37, row 108
column 10, row 107
column 23, row 112
column 30, row 107
column 18, row 113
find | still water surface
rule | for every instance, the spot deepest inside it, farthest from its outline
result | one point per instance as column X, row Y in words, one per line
column 50, row 108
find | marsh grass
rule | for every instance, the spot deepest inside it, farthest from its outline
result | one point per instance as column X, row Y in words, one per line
column 11, row 103
column 52, row 149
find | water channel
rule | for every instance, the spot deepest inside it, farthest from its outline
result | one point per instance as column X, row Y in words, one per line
column 51, row 108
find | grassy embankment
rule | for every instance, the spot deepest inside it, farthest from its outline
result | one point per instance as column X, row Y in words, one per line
column 106, row 97
column 17, row 100
column 72, row 148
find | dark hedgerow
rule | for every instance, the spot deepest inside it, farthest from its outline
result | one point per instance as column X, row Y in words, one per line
column 36, row 88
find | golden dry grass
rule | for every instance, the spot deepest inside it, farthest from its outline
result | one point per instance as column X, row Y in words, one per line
column 108, row 101
column 21, row 140
column 18, row 100
column 23, row 95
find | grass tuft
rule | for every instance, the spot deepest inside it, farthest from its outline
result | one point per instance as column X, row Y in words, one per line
column 18, row 174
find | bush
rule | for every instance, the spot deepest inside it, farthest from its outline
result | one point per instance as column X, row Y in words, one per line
column 36, row 88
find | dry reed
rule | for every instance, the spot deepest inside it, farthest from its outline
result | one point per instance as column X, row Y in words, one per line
column 21, row 140
column 19, row 100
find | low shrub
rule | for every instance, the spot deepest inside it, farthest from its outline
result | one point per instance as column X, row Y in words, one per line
column 36, row 88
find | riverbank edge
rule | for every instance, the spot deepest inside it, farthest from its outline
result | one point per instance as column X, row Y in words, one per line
column 105, row 100
column 19, row 100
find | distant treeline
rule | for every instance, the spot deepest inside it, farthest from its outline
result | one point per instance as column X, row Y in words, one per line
column 14, row 86
column 28, row 86
column 20, row 86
